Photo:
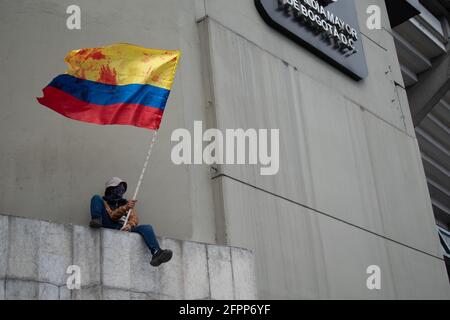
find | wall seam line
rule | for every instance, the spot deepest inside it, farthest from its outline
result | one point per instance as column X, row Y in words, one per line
column 8, row 250
column 328, row 215
column 373, row 41
column 207, row 270
column 232, row 275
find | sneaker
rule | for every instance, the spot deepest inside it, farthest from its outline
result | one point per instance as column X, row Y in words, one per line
column 96, row 223
column 162, row 256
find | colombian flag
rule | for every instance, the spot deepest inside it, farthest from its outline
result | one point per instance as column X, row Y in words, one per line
column 120, row 84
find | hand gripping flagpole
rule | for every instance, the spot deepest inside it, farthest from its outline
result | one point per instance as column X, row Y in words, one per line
column 144, row 169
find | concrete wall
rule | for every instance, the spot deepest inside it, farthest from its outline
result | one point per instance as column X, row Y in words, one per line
column 57, row 164
column 351, row 190
column 35, row 255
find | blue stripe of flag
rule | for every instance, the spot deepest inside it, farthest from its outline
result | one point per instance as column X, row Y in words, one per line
column 103, row 94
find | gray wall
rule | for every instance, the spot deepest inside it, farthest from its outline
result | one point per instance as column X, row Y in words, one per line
column 351, row 191
column 348, row 149
column 51, row 166
column 35, row 256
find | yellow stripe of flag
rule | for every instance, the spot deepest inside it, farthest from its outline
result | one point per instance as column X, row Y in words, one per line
column 122, row 64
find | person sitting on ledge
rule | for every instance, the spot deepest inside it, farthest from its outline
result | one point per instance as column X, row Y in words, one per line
column 110, row 212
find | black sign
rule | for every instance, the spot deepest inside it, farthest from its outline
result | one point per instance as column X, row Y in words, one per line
column 329, row 28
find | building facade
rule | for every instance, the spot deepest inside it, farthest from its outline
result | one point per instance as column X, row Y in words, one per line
column 422, row 44
column 351, row 191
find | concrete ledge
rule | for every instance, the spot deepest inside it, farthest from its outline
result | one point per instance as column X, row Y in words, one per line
column 220, row 272
column 35, row 255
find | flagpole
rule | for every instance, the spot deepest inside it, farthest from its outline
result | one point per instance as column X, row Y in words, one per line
column 141, row 178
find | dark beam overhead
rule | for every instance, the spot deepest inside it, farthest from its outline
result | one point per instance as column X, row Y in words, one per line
column 400, row 11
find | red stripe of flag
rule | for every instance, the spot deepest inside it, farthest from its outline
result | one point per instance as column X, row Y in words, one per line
column 116, row 114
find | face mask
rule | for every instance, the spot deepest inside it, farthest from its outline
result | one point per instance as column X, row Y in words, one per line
column 118, row 191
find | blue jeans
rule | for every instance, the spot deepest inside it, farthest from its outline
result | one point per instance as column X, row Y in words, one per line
column 146, row 231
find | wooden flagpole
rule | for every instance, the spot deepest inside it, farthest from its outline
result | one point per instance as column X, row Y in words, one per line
column 144, row 169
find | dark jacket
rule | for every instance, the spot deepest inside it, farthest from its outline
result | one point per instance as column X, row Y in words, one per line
column 101, row 208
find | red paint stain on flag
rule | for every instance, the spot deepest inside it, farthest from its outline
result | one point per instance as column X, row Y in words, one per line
column 108, row 76
column 97, row 55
